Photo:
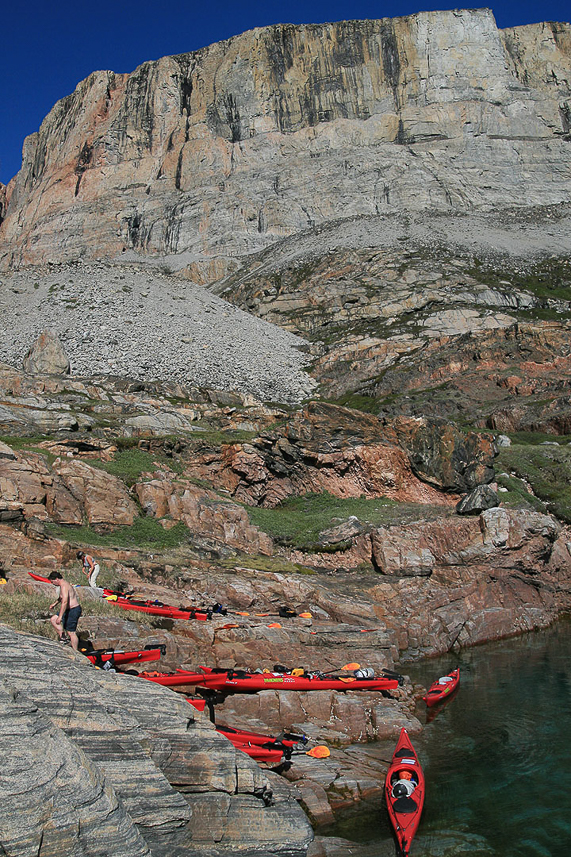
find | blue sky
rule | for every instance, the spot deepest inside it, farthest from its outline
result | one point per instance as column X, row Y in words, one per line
column 47, row 48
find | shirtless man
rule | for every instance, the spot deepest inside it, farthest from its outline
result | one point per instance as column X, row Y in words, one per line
column 69, row 611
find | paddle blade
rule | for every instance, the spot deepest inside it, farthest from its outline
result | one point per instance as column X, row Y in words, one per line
column 306, row 615
column 319, row 752
column 351, row 667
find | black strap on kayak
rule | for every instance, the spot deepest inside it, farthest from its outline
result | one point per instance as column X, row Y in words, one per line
column 292, row 736
column 235, row 673
column 160, row 646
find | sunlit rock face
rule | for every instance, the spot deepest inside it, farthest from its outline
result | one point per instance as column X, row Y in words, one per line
column 212, row 154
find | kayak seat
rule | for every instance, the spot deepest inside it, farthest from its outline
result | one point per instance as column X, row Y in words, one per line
column 405, row 805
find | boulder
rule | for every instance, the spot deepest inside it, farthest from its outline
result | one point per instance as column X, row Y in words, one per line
column 481, row 498
column 47, row 356
column 443, row 456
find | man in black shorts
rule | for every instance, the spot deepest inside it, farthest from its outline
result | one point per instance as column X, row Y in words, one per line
column 69, row 611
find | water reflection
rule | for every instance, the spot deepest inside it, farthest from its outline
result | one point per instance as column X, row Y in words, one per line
column 497, row 757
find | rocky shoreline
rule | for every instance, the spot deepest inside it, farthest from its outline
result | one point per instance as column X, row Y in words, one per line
column 379, row 593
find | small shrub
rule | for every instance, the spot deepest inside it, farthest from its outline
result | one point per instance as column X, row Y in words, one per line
column 128, row 464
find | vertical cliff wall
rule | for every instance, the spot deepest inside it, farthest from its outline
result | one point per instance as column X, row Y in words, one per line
column 221, row 151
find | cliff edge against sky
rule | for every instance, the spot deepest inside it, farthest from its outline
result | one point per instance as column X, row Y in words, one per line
column 223, row 151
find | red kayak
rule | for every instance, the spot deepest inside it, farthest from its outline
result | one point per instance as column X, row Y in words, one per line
column 265, row 748
column 155, row 608
column 175, row 679
column 39, row 577
column 116, row 656
column 242, row 681
column 270, row 755
column 242, row 736
column 404, row 792
column 442, row 688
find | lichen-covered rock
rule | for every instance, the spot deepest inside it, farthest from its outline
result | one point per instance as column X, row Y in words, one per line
column 444, row 456
column 323, row 447
column 66, row 493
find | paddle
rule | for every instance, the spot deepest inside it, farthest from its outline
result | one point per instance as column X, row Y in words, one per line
column 353, row 666
column 390, row 673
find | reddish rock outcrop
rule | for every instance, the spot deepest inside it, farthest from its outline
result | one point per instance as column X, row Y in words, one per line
column 322, row 448
column 203, row 512
column 67, row 493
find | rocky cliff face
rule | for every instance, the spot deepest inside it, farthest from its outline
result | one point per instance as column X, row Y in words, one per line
column 222, row 151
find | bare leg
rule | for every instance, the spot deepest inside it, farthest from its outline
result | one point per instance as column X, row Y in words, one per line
column 58, row 627
column 74, row 640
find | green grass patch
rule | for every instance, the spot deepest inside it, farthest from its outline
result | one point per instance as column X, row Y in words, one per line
column 28, row 442
column 29, row 612
column 517, row 496
column 547, row 469
column 143, row 534
column 359, row 402
column 533, row 438
column 550, row 278
column 258, row 562
column 129, row 464
column 297, row 522
column 26, row 611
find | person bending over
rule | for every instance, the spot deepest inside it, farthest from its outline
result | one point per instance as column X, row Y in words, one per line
column 90, row 567
column 69, row 611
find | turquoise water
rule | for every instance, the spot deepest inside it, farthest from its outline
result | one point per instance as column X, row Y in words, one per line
column 497, row 756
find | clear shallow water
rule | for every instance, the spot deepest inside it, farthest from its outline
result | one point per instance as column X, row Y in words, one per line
column 497, row 756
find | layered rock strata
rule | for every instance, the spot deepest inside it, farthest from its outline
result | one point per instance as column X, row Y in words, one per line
column 103, row 763
column 222, row 151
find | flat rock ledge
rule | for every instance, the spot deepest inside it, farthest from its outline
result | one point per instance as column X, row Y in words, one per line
column 97, row 763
